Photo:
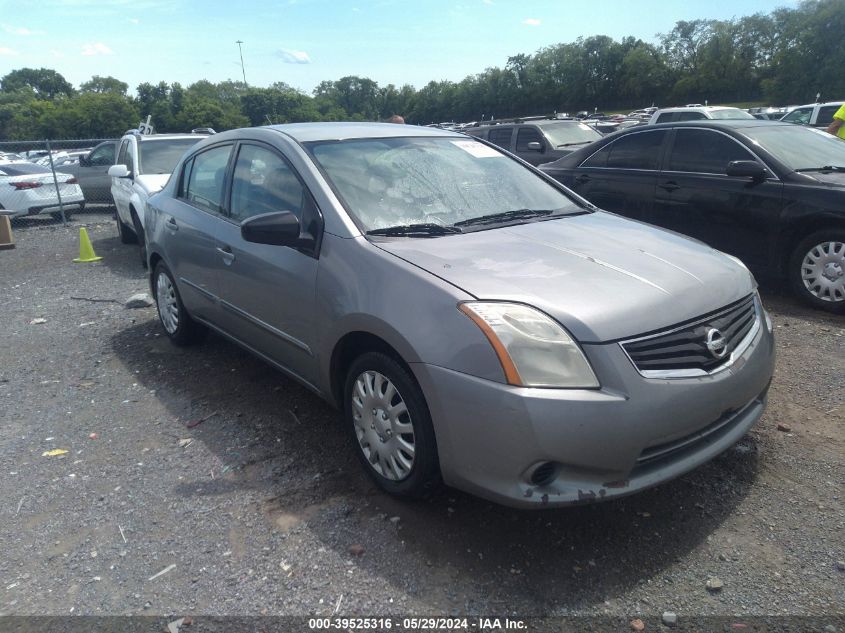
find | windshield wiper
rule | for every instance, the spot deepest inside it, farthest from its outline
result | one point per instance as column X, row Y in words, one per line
column 823, row 169
column 416, row 230
column 518, row 214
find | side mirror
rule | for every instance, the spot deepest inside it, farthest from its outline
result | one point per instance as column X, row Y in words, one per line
column 746, row 169
column 279, row 228
column 119, row 171
column 535, row 146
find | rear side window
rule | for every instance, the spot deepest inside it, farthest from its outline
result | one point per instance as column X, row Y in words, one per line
column 667, row 117
column 528, row 135
column 204, row 178
column 704, row 151
column 633, row 151
column 500, row 136
column 264, row 183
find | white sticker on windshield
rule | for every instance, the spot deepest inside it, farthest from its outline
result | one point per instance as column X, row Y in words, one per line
column 479, row 150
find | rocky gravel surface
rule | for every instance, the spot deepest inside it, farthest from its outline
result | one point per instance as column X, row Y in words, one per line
column 140, row 478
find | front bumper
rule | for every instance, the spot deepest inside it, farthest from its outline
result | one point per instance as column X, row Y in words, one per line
column 630, row 434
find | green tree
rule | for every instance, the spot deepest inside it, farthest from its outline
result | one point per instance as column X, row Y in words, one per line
column 104, row 85
column 43, row 82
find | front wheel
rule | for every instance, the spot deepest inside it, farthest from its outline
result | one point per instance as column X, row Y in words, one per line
column 125, row 233
column 141, row 238
column 391, row 426
column 181, row 329
column 817, row 270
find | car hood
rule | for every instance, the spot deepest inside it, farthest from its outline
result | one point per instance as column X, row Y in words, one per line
column 831, row 179
column 602, row 276
column 152, row 182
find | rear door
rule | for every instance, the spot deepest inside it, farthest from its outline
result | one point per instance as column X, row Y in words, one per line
column 267, row 292
column 622, row 175
column 696, row 197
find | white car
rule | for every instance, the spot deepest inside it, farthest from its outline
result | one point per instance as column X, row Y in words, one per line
column 29, row 189
column 142, row 167
column 814, row 114
column 697, row 113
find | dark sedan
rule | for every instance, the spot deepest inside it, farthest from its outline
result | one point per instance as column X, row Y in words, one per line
column 770, row 193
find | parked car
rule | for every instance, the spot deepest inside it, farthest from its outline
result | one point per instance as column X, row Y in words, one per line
column 472, row 318
column 538, row 141
column 92, row 172
column 29, row 189
column 697, row 112
column 814, row 114
column 767, row 192
column 143, row 165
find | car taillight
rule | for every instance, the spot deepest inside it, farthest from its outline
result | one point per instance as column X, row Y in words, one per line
column 25, row 184
column 71, row 181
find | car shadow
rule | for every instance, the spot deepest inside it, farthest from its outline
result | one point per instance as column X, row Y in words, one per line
column 272, row 436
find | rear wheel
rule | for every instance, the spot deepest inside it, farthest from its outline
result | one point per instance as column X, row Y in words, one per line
column 179, row 326
column 391, row 426
column 817, row 270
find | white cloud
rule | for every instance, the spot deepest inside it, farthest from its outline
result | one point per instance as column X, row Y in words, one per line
column 293, row 57
column 531, row 22
column 8, row 51
column 95, row 49
column 20, row 30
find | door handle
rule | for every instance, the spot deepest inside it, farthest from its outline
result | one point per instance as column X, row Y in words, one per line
column 580, row 180
column 171, row 224
column 670, row 186
column 227, row 254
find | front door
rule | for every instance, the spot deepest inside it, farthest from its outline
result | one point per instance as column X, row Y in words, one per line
column 696, row 197
column 267, row 292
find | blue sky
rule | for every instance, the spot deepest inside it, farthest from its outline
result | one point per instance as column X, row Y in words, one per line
column 303, row 42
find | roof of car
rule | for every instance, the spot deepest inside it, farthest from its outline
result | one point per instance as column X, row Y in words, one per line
column 159, row 137
column 697, row 108
column 305, row 132
column 731, row 123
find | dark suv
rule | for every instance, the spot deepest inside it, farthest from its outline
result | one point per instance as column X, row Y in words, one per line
column 540, row 141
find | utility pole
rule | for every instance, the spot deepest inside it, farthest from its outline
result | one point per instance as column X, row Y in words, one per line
column 239, row 42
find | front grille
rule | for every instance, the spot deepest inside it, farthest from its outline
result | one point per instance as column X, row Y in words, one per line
column 683, row 350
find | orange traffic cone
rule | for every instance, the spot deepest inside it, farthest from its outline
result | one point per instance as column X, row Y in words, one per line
column 86, row 251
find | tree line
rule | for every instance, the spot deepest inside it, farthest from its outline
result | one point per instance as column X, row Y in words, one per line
column 785, row 57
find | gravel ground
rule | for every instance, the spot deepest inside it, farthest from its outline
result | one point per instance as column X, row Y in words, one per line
column 261, row 507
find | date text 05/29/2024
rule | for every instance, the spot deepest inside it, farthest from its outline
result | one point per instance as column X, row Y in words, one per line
column 417, row 624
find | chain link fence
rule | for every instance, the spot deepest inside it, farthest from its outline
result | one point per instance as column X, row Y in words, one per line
column 51, row 181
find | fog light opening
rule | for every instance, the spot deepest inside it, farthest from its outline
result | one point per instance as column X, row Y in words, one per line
column 543, row 474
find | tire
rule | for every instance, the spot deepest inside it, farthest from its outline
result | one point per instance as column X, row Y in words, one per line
column 180, row 328
column 126, row 235
column 142, row 241
column 57, row 216
column 817, row 270
column 398, row 451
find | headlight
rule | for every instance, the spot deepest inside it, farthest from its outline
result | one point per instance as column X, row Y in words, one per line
column 533, row 349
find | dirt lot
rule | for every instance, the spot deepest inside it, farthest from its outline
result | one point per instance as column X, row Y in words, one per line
column 261, row 508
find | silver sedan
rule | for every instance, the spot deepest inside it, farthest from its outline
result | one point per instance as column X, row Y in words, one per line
column 477, row 323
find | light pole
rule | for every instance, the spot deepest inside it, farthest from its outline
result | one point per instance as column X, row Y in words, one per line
column 239, row 42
